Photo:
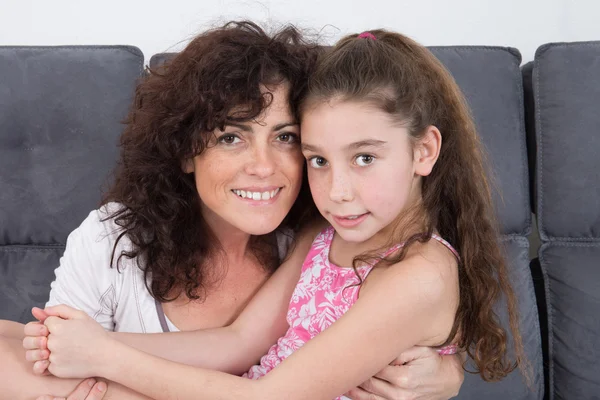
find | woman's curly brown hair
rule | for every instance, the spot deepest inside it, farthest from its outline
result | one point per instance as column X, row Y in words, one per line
column 175, row 110
column 404, row 80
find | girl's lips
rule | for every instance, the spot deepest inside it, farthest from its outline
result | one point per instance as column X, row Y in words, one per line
column 354, row 220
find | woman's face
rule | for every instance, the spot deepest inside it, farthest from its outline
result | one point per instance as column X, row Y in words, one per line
column 250, row 174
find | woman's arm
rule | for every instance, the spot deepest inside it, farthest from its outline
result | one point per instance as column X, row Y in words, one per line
column 417, row 293
column 420, row 373
column 17, row 382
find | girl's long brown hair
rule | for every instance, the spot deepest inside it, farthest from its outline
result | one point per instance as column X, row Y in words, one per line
column 403, row 79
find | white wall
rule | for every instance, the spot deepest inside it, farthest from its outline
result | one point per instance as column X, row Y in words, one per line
column 161, row 26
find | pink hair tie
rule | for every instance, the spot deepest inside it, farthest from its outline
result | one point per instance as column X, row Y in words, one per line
column 367, row 35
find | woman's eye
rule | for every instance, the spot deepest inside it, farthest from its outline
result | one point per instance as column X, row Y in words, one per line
column 229, row 139
column 288, row 138
column 317, row 162
column 364, row 160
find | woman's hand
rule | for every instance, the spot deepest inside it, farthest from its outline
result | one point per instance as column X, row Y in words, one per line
column 89, row 389
column 76, row 343
column 420, row 373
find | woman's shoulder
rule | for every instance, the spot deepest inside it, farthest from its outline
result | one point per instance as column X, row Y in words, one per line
column 100, row 230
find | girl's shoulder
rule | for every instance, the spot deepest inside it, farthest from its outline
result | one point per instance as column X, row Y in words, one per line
column 432, row 265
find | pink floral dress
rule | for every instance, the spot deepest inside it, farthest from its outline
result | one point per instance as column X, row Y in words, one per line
column 323, row 294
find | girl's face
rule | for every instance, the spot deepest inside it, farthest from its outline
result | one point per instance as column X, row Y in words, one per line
column 250, row 174
column 363, row 168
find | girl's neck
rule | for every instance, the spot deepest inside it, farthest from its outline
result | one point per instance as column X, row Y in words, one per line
column 404, row 227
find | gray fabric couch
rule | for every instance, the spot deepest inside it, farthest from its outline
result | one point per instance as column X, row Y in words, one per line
column 60, row 113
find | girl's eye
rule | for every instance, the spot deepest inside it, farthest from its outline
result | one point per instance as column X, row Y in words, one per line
column 317, row 162
column 288, row 138
column 364, row 159
column 229, row 139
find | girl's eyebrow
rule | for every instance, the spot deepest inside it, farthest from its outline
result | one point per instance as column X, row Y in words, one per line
column 366, row 143
column 351, row 146
column 309, row 147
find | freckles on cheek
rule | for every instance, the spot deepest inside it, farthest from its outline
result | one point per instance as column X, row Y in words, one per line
column 318, row 189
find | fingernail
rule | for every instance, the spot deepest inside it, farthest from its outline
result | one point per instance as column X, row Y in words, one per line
column 91, row 382
column 101, row 387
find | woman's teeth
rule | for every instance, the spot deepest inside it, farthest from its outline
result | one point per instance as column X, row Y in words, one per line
column 256, row 195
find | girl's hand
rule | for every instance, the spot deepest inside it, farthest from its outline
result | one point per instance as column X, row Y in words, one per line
column 87, row 390
column 76, row 342
column 35, row 342
column 420, row 373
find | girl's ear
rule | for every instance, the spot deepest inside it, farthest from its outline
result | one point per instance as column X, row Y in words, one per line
column 187, row 165
column 427, row 151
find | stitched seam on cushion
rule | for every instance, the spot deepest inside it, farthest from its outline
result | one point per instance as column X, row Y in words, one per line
column 540, row 149
column 557, row 239
column 521, row 239
column 24, row 248
column 573, row 243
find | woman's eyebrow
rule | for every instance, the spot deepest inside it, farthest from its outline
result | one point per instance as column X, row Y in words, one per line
column 279, row 127
column 243, row 127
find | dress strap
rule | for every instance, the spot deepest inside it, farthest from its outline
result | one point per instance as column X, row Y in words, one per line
column 445, row 243
column 433, row 236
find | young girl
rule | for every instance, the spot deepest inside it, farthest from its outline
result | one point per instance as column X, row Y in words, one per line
column 410, row 256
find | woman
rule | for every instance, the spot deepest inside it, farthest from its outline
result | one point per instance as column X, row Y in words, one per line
column 207, row 200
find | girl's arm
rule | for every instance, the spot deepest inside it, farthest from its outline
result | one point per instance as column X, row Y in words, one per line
column 417, row 297
column 11, row 329
column 235, row 348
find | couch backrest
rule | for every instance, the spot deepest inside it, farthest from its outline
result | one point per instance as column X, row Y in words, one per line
column 566, row 95
column 60, row 114
column 491, row 81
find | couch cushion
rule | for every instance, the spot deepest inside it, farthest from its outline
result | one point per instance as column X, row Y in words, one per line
column 514, row 386
column 566, row 82
column 160, row 59
column 60, row 119
column 25, row 276
column 491, row 81
column 572, row 282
